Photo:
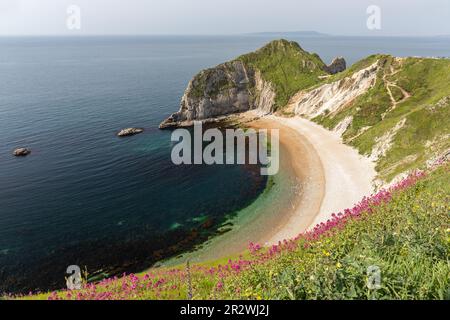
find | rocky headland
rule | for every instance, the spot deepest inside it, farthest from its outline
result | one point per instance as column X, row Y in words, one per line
column 250, row 83
column 21, row 152
column 392, row 110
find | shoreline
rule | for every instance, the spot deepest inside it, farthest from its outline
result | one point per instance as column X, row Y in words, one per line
column 319, row 175
column 348, row 176
column 309, row 191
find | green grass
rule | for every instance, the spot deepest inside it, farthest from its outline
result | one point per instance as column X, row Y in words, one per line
column 223, row 82
column 290, row 69
column 408, row 239
column 359, row 65
column 426, row 130
column 367, row 108
column 287, row 66
column 396, row 93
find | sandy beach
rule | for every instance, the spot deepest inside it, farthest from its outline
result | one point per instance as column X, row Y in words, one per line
column 319, row 175
column 334, row 176
column 305, row 163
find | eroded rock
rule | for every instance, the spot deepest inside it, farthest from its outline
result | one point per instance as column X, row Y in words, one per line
column 130, row 132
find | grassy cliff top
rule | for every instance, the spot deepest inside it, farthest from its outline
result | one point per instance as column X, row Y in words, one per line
column 401, row 232
column 287, row 66
column 283, row 63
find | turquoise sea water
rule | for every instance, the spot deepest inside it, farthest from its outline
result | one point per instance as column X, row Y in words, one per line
column 85, row 196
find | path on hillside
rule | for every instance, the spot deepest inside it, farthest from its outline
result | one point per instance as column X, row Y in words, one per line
column 388, row 85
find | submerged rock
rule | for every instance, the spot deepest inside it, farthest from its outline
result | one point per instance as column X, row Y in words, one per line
column 21, row 152
column 130, row 132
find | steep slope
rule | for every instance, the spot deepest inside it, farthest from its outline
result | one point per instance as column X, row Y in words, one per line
column 264, row 80
column 393, row 110
column 332, row 97
column 214, row 92
column 402, row 233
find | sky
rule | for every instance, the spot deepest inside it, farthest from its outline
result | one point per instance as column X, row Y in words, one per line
column 177, row 17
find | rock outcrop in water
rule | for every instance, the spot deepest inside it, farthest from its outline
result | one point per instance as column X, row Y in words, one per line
column 262, row 80
column 130, row 132
column 21, row 152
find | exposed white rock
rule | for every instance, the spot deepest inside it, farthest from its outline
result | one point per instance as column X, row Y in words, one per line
column 215, row 92
column 384, row 143
column 437, row 140
column 343, row 125
column 331, row 97
column 444, row 102
column 266, row 95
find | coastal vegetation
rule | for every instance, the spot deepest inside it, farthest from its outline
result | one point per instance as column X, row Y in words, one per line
column 283, row 63
column 421, row 117
column 399, row 121
column 287, row 67
column 402, row 232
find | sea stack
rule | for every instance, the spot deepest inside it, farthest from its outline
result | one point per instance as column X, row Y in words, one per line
column 337, row 65
column 21, row 152
column 130, row 132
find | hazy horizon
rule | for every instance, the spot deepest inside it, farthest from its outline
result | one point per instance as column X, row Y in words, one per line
column 277, row 33
column 231, row 17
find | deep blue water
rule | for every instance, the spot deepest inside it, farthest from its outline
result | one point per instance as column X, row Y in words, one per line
column 85, row 196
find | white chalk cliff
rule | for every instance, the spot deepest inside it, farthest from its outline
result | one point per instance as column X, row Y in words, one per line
column 332, row 97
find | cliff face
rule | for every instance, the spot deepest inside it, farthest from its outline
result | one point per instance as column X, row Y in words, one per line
column 332, row 97
column 225, row 89
column 262, row 80
column 265, row 94
column 337, row 65
column 393, row 110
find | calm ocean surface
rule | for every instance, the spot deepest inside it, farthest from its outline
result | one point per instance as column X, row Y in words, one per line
column 85, row 196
